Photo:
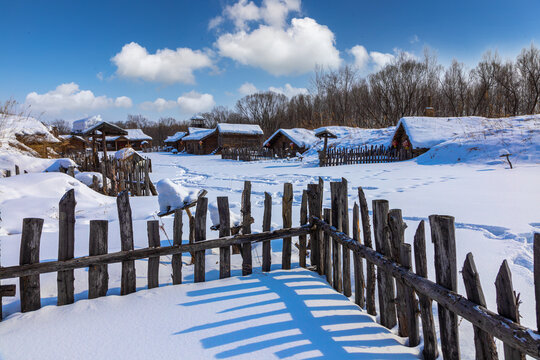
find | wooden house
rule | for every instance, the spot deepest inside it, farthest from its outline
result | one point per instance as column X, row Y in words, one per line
column 134, row 138
column 175, row 141
column 97, row 129
column 201, row 141
column 29, row 134
column 291, row 141
column 239, row 136
column 72, row 144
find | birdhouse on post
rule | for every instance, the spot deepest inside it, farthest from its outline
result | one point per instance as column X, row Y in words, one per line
column 326, row 134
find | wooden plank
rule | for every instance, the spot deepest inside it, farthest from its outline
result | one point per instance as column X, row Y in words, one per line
column 82, row 262
column 337, row 281
column 200, row 235
column 98, row 275
column 29, row 285
column 345, row 228
column 397, row 238
column 224, row 230
column 537, row 277
column 385, row 281
column 66, row 244
column 314, row 202
column 483, row 342
column 302, row 240
column 327, row 248
column 410, row 300
column 359, row 286
column 6, row 290
column 431, row 348
column 128, row 282
column 247, row 265
column 286, row 212
column 444, row 238
column 507, row 306
column 370, row 268
column 176, row 261
column 510, row 332
column 267, row 223
column 152, row 228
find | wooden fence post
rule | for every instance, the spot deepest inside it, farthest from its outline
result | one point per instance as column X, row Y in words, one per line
column 128, row 283
column 444, row 238
column 335, row 188
column 98, row 275
column 410, row 300
column 359, row 298
column 302, row 239
column 176, row 261
column 397, row 238
column 152, row 228
column 224, row 230
column 327, row 248
column 370, row 268
column 267, row 222
column 29, row 286
column 483, row 342
column 247, row 265
column 507, row 306
column 200, row 234
column 385, row 281
column 431, row 349
column 286, row 211
column 314, row 203
column 66, row 243
column 17, row 170
column 537, row 277
column 345, row 228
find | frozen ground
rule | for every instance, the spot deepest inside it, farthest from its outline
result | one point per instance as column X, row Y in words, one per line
column 496, row 211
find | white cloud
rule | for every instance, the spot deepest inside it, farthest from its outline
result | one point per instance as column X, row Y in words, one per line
column 381, row 59
column 289, row 90
column 275, row 12
column 242, row 12
column 166, row 65
column 296, row 49
column 361, row 56
column 247, row 88
column 99, row 75
column 158, row 105
column 69, row 98
column 414, row 39
column 271, row 12
column 215, row 22
column 194, row 102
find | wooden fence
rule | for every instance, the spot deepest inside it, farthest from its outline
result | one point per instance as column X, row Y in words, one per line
column 363, row 155
column 403, row 295
column 254, row 154
column 7, row 172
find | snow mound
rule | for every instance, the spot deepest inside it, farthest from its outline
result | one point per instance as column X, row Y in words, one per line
column 60, row 163
column 88, row 177
column 15, row 126
column 235, row 218
column 173, row 196
column 125, row 153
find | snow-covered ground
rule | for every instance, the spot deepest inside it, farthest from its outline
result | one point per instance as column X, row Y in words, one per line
column 496, row 211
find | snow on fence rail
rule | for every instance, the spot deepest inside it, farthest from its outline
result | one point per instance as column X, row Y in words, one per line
column 330, row 255
column 363, row 155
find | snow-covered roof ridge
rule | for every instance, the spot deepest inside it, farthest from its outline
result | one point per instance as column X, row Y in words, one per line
column 81, row 125
column 126, row 153
column 241, row 129
column 198, row 134
column 132, row 135
column 301, row 137
column 176, row 137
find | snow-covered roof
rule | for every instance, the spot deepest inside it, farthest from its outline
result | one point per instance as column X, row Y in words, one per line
column 426, row 132
column 126, row 153
column 241, row 129
column 197, row 117
column 176, row 137
column 67, row 137
column 132, row 135
column 302, row 138
column 198, row 134
column 12, row 126
column 93, row 123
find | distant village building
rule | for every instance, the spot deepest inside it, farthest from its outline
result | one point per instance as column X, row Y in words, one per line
column 97, row 129
column 135, row 138
column 201, row 141
column 28, row 134
column 239, row 136
column 198, row 121
column 175, row 141
column 72, row 144
column 291, row 140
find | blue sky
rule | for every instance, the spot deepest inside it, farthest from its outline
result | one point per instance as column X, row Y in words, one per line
column 71, row 59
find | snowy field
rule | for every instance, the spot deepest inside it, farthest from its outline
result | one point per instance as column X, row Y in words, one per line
column 496, row 211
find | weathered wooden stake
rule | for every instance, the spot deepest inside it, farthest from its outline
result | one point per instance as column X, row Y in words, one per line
column 17, row 170
column 200, row 234
column 66, row 244
column 411, row 308
column 176, row 261
column 444, row 237
column 385, row 281
column 302, row 239
column 327, row 248
column 247, row 265
column 537, row 277
column 286, row 212
column 224, row 230
column 267, row 222
column 431, row 349
column 370, row 268
column 359, row 284
column 98, row 275
column 29, row 286
column 483, row 342
column 345, row 228
column 507, row 305
column 152, row 228
column 317, row 252
column 128, row 283
column 335, row 189
column 397, row 238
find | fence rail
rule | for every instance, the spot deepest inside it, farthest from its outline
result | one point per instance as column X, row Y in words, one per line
column 363, row 155
column 403, row 295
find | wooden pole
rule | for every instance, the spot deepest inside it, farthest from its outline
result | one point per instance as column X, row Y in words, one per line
column 327, row 248
column 315, row 236
column 267, row 222
column 200, row 235
column 224, row 230
column 66, row 244
column 29, row 286
column 128, row 283
column 410, row 307
column 152, row 228
column 345, row 228
column 537, row 277
column 397, row 238
column 370, row 268
column 247, row 265
column 444, row 238
column 359, row 298
column 337, row 281
column 176, row 261
column 98, row 275
column 286, row 212
column 303, row 221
